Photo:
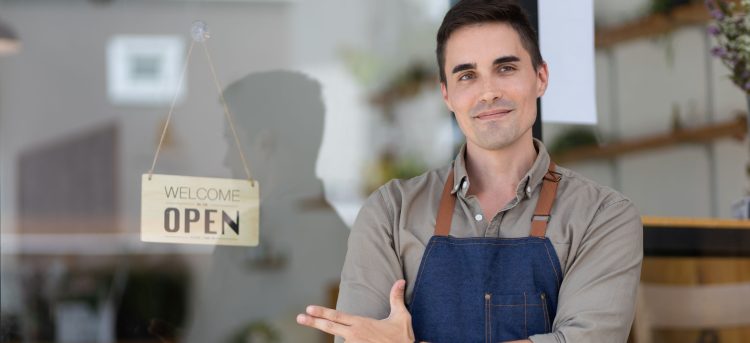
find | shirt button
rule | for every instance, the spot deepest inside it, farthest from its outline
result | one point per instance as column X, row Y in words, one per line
column 478, row 217
column 465, row 185
column 528, row 190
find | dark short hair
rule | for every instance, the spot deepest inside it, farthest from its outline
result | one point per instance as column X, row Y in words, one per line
column 468, row 12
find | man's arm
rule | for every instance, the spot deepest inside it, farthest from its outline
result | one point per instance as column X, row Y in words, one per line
column 597, row 296
column 371, row 266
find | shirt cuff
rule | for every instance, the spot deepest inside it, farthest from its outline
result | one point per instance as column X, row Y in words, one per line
column 546, row 338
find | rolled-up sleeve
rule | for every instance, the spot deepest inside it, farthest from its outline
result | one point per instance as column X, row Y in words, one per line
column 597, row 297
column 371, row 265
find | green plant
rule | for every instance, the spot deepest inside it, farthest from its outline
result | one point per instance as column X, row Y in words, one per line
column 574, row 137
column 391, row 167
column 666, row 6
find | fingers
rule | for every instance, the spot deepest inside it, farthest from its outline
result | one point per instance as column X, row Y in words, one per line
column 330, row 314
column 397, row 296
column 327, row 320
column 324, row 325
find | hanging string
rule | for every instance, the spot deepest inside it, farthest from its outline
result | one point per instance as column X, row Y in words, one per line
column 227, row 113
column 171, row 109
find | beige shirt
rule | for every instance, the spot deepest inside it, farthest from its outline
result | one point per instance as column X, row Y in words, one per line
column 596, row 232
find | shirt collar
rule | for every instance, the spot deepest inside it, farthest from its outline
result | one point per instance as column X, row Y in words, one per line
column 528, row 183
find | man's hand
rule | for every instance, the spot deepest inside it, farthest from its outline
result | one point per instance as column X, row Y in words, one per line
column 355, row 329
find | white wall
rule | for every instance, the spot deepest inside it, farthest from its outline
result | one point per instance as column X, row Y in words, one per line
column 387, row 36
column 638, row 83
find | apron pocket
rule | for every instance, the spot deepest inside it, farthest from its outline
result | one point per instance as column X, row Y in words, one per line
column 511, row 317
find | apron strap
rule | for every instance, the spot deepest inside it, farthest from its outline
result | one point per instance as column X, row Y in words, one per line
column 544, row 205
column 445, row 211
column 538, row 221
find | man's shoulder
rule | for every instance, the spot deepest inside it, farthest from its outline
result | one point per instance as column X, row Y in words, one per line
column 587, row 204
column 576, row 186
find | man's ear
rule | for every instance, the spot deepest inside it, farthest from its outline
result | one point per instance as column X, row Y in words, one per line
column 444, row 91
column 542, row 77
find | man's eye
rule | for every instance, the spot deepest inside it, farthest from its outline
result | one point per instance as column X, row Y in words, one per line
column 506, row 69
column 467, row 76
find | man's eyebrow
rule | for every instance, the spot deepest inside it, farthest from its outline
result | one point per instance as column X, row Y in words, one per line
column 499, row 60
column 464, row 66
column 506, row 59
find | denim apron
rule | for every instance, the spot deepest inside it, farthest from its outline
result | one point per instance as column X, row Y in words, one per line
column 482, row 289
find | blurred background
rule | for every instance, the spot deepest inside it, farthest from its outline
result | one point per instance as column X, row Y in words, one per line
column 85, row 87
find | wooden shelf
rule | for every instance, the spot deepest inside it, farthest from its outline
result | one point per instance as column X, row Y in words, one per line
column 734, row 128
column 696, row 223
column 653, row 25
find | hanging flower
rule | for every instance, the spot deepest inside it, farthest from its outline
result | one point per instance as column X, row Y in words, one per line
column 718, row 51
column 732, row 33
column 713, row 30
column 717, row 14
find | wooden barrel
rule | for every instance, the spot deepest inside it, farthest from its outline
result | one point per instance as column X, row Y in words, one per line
column 698, row 272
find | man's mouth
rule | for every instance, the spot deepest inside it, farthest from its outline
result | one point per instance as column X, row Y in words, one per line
column 493, row 114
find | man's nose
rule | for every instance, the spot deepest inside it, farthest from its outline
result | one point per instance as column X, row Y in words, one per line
column 491, row 92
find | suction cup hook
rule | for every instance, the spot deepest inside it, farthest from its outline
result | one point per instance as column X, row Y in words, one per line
column 199, row 31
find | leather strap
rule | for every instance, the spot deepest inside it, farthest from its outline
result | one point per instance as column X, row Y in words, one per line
column 445, row 212
column 538, row 221
column 544, row 205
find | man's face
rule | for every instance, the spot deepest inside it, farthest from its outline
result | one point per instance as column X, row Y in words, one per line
column 491, row 84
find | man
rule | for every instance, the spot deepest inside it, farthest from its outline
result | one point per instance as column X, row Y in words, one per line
column 502, row 245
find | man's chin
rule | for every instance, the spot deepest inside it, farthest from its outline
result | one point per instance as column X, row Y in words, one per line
column 496, row 141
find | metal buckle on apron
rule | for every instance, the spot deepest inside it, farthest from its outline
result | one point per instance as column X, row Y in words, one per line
column 553, row 176
column 540, row 217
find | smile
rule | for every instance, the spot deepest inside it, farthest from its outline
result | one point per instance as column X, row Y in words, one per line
column 494, row 114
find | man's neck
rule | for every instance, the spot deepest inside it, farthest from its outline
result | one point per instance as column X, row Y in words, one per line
column 499, row 170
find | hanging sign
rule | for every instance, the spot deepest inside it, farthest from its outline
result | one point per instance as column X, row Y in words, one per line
column 199, row 210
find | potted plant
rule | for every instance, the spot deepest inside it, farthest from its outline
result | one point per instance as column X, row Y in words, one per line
column 731, row 30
